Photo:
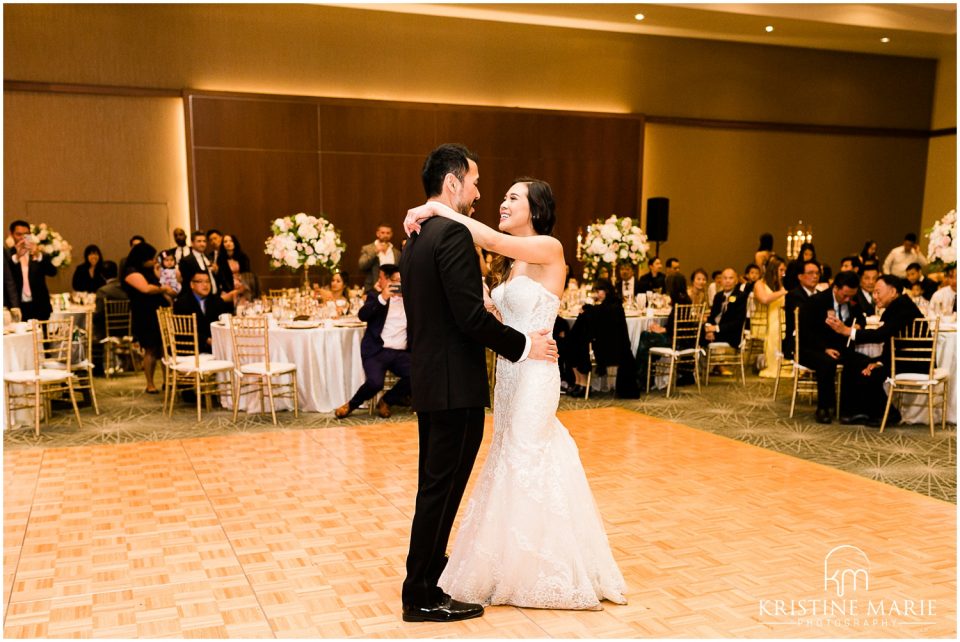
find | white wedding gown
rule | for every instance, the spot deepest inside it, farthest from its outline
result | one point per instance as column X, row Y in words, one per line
column 531, row 533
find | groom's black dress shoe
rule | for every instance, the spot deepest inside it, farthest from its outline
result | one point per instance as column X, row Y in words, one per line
column 449, row 610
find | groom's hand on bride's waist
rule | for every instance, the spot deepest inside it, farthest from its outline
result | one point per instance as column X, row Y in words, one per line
column 542, row 346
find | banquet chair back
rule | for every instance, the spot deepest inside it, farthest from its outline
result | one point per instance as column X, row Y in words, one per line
column 781, row 359
column 756, row 335
column 251, row 356
column 82, row 364
column 188, row 367
column 118, row 342
column 685, row 346
column 51, row 375
column 913, row 368
column 804, row 378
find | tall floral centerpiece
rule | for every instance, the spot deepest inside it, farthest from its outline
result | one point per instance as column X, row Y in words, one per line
column 50, row 243
column 942, row 250
column 610, row 241
column 304, row 241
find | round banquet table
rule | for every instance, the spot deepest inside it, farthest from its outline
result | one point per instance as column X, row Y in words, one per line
column 18, row 355
column 78, row 312
column 329, row 369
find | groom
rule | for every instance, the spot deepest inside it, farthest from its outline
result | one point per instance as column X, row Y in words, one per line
column 447, row 329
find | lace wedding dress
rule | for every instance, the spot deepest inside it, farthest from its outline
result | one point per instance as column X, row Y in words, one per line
column 531, row 533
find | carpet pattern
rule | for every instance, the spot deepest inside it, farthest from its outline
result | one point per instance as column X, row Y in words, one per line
column 903, row 456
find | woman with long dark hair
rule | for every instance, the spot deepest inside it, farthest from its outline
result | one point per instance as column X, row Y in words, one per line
column 142, row 285
column 868, row 255
column 88, row 276
column 770, row 291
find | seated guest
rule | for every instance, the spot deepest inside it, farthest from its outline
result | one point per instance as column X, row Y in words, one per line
column 603, row 273
column 868, row 281
column 900, row 258
column 662, row 335
column 850, row 264
column 196, row 261
column 604, row 326
column 198, row 300
column 673, row 267
column 751, row 274
column 337, row 292
column 864, row 399
column 112, row 290
column 714, row 287
column 821, row 348
column 652, row 281
column 807, row 253
column 727, row 314
column 807, row 287
column 944, row 300
column 698, row 288
column 918, row 284
column 626, row 284
column 88, row 276
column 868, row 255
column 384, row 345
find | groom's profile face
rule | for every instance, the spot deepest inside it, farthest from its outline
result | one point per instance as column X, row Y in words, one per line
column 468, row 191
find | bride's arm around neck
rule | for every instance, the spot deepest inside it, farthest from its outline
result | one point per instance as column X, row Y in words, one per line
column 538, row 249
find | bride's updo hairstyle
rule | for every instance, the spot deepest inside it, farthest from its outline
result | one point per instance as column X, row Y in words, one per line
column 542, row 207
column 542, row 217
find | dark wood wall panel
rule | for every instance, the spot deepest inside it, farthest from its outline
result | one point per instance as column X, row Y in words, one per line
column 361, row 160
column 259, row 124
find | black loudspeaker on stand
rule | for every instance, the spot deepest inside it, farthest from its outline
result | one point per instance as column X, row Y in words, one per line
column 658, row 219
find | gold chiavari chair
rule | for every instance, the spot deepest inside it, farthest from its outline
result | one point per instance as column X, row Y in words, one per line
column 187, row 367
column 720, row 353
column 916, row 349
column 755, row 337
column 52, row 372
column 118, row 342
column 83, row 361
column 782, row 361
column 684, row 348
column 251, row 356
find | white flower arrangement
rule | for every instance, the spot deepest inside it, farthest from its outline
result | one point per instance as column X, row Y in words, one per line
column 304, row 241
column 611, row 241
column 51, row 243
column 942, row 249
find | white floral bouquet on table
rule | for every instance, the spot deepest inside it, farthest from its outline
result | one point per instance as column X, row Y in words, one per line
column 611, row 241
column 942, row 251
column 304, row 241
column 50, row 243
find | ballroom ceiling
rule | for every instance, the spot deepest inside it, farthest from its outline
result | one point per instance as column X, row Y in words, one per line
column 925, row 30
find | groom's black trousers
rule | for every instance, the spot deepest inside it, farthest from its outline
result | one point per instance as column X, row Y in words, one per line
column 449, row 441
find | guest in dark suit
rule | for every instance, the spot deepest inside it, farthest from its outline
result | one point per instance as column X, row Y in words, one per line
column 447, row 329
column 728, row 312
column 652, row 281
column 807, row 279
column 384, row 345
column 627, row 286
column 198, row 301
column 26, row 260
column 918, row 283
column 603, row 326
column 197, row 261
column 863, row 395
column 821, row 348
column 88, row 276
column 219, row 261
column 868, row 281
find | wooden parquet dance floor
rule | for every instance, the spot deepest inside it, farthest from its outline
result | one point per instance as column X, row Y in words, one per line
column 303, row 533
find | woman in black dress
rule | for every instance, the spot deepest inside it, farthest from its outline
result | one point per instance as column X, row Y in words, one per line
column 142, row 285
column 87, row 277
column 602, row 326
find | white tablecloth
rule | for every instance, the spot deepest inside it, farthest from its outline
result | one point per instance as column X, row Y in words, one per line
column 78, row 312
column 913, row 408
column 18, row 355
column 329, row 368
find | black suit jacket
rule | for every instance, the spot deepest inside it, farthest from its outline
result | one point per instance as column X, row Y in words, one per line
column 815, row 335
column 186, row 303
column 37, row 274
column 648, row 282
column 794, row 299
column 447, row 325
column 896, row 317
column 190, row 265
column 869, row 308
column 374, row 314
column 731, row 323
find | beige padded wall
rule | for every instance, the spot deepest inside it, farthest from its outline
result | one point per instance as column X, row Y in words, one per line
column 99, row 169
column 941, row 188
column 728, row 187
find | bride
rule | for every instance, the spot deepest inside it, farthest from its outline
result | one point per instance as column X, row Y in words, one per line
column 531, row 535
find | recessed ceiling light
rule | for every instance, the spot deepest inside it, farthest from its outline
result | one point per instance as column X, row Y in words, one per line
column 768, row 28
column 884, row 39
column 639, row 16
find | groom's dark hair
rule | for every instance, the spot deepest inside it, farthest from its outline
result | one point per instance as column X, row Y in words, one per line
column 449, row 158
